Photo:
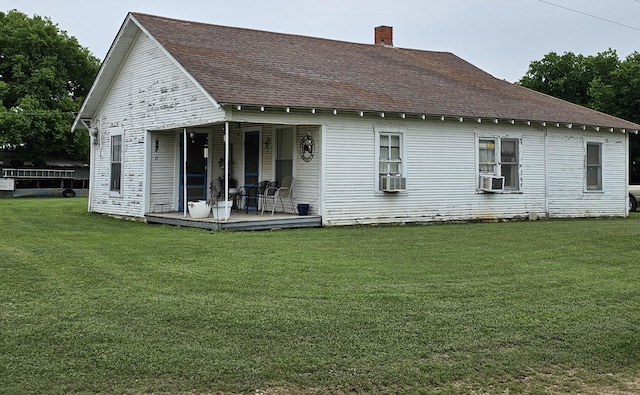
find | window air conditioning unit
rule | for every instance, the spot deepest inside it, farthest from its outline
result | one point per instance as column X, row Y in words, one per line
column 491, row 183
column 393, row 183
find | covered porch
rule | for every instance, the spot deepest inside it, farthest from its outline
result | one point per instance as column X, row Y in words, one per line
column 217, row 162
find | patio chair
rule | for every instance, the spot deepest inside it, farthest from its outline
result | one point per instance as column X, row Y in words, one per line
column 253, row 194
column 268, row 194
column 275, row 194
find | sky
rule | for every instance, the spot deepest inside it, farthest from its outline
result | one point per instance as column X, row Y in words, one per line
column 502, row 37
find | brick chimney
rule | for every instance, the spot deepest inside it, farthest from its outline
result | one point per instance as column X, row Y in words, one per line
column 384, row 35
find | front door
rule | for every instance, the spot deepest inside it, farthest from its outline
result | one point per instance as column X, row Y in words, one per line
column 196, row 168
column 251, row 158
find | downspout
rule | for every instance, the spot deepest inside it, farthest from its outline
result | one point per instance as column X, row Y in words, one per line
column 627, row 157
column 226, row 164
column 92, row 144
column 94, row 141
column 92, row 176
column 546, row 171
column 184, row 172
column 323, row 174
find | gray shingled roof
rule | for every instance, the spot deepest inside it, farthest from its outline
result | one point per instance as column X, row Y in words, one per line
column 251, row 67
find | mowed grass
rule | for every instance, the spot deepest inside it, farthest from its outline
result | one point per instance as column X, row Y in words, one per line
column 93, row 304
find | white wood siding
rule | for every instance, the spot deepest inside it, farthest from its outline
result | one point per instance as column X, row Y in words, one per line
column 267, row 156
column 441, row 170
column 567, row 195
column 150, row 93
column 163, row 178
column 307, row 174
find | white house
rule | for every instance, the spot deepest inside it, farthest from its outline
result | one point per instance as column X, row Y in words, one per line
column 371, row 133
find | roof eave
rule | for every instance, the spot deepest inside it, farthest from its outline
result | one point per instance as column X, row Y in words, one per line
column 108, row 70
column 118, row 52
column 428, row 116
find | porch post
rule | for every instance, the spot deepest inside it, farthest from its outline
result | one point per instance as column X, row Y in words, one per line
column 226, row 163
column 184, row 172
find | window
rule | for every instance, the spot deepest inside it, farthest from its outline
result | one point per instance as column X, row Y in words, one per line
column 500, row 157
column 116, row 163
column 390, row 162
column 487, row 156
column 509, row 163
column 284, row 153
column 593, row 164
column 390, row 166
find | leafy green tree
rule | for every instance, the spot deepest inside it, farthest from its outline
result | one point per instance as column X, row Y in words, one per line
column 44, row 77
column 569, row 76
column 618, row 92
column 602, row 82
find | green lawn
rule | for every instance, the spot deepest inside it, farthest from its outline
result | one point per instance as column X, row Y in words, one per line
column 92, row 304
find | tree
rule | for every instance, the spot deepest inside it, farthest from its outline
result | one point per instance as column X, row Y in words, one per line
column 618, row 93
column 602, row 82
column 44, row 77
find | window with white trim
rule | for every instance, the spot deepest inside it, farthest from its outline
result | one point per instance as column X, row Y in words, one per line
column 500, row 157
column 390, row 162
column 593, row 166
column 390, row 151
column 284, row 152
column 509, row 163
column 115, row 184
column 487, row 156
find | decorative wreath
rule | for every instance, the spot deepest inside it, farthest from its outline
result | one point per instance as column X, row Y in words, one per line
column 307, row 148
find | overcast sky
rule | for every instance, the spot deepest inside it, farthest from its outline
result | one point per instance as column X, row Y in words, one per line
column 499, row 36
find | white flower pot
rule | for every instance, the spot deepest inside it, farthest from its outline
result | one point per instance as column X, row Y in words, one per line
column 222, row 210
column 199, row 208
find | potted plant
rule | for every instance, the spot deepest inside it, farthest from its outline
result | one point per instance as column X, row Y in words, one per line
column 199, row 208
column 221, row 208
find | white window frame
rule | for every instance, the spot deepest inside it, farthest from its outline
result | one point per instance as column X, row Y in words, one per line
column 494, row 162
column 591, row 166
column 497, row 161
column 277, row 148
column 401, row 160
column 113, row 134
column 515, row 164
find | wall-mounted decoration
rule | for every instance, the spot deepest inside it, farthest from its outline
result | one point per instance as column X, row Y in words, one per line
column 307, row 148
